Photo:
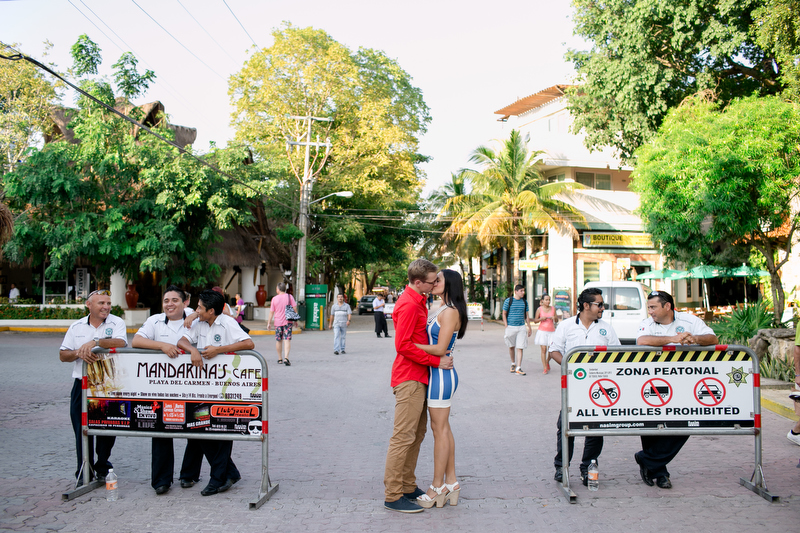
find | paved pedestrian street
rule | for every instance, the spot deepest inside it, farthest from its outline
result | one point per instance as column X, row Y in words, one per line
column 330, row 418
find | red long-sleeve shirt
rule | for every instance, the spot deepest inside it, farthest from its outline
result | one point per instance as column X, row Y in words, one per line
column 410, row 317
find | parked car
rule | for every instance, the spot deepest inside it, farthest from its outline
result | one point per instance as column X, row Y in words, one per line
column 626, row 306
column 365, row 304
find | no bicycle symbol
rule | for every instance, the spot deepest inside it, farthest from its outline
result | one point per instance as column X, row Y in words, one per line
column 656, row 392
column 604, row 393
column 709, row 391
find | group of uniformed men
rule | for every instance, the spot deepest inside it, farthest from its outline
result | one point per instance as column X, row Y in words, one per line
column 664, row 327
column 203, row 333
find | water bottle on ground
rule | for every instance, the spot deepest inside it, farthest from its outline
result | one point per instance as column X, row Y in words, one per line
column 111, row 486
column 594, row 476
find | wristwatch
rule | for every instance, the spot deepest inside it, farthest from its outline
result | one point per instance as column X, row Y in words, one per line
column 97, row 343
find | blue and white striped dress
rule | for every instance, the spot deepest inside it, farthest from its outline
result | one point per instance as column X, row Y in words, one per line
column 442, row 384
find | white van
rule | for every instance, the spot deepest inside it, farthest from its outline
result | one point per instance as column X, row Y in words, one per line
column 626, row 306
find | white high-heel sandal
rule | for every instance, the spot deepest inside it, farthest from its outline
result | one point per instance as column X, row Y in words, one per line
column 427, row 502
column 452, row 495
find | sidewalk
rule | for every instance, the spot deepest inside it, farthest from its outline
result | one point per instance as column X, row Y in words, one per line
column 257, row 327
column 330, row 420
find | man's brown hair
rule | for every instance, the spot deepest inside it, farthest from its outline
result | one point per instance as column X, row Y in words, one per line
column 419, row 270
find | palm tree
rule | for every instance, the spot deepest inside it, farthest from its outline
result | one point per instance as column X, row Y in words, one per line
column 509, row 197
column 448, row 245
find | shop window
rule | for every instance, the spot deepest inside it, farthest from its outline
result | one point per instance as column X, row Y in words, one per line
column 591, row 272
column 556, row 178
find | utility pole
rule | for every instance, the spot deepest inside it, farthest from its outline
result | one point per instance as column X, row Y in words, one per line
column 306, row 186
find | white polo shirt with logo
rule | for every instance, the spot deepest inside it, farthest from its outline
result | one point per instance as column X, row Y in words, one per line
column 682, row 322
column 571, row 333
column 223, row 332
column 81, row 332
column 160, row 329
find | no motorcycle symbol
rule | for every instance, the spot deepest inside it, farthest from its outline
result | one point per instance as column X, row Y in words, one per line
column 604, row 393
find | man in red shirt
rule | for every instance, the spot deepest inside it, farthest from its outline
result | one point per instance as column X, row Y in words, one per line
column 409, row 385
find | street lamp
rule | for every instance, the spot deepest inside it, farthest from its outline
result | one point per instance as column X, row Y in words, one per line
column 301, row 247
column 341, row 194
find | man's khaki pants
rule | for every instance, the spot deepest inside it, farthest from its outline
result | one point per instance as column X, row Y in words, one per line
column 410, row 423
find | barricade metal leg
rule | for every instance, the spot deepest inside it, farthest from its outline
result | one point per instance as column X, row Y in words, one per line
column 86, row 470
column 757, row 483
column 267, row 488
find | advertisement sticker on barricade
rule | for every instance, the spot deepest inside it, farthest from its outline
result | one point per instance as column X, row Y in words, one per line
column 648, row 389
column 142, row 392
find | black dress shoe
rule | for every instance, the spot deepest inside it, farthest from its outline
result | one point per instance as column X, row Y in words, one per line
column 559, row 474
column 388, row 336
column 163, row 489
column 648, row 480
column 585, row 478
column 212, row 489
column 234, row 480
column 663, row 482
column 187, row 483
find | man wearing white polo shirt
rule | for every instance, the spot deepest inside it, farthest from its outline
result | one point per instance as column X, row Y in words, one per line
column 162, row 332
column 99, row 329
column 586, row 329
column 215, row 333
column 666, row 327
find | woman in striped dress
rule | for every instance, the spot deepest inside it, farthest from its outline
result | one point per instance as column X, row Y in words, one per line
column 449, row 323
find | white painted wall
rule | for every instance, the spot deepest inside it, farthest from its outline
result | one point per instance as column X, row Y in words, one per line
column 561, row 271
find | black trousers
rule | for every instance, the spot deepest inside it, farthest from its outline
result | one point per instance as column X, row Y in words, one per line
column 591, row 449
column 380, row 324
column 657, row 452
column 218, row 454
column 104, row 444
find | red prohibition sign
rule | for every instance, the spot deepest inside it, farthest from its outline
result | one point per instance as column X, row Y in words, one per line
column 604, row 393
column 709, row 391
column 656, row 392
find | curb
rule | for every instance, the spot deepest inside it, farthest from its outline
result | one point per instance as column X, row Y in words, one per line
column 779, row 409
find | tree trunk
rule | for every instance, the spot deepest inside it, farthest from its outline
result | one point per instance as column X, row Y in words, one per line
column 516, row 260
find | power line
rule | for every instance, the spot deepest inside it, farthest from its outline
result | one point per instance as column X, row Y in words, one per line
column 95, row 25
column 177, row 41
column 205, row 30
column 19, row 56
column 240, row 23
column 170, row 89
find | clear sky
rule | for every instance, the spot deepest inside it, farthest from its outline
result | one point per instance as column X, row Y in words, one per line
column 469, row 58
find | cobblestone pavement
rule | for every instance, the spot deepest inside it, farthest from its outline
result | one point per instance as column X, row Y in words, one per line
column 330, row 422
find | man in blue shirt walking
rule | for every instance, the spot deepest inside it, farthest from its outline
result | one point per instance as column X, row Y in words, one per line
column 518, row 327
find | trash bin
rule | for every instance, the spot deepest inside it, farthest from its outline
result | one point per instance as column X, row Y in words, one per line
column 316, row 296
column 248, row 311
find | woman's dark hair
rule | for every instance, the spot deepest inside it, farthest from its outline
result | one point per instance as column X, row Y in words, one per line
column 453, row 296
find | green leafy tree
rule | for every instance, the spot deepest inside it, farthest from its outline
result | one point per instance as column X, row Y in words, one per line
column 509, row 198
column 717, row 184
column 647, row 56
column 115, row 202
column 378, row 116
column 777, row 29
column 26, row 96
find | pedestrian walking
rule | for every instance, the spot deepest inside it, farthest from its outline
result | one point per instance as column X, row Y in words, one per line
column 379, row 306
column 338, row 320
column 546, row 318
column 518, row 327
column 283, row 327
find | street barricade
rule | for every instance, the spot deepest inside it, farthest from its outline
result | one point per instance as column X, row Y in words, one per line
column 475, row 312
column 671, row 390
column 144, row 393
